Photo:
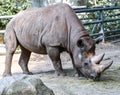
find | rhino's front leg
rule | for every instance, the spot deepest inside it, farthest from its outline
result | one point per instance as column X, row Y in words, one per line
column 77, row 71
column 54, row 54
column 23, row 61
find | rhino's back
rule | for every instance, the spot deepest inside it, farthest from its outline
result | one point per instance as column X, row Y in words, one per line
column 38, row 27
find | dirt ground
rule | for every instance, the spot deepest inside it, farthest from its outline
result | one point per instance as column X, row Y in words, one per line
column 41, row 66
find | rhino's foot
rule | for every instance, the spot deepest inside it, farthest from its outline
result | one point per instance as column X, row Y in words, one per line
column 77, row 75
column 6, row 74
column 60, row 73
column 28, row 73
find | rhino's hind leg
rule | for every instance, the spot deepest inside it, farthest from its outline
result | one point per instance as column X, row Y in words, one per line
column 23, row 61
column 8, row 60
column 54, row 54
column 11, row 45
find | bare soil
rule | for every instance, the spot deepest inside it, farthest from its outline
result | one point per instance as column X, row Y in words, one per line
column 41, row 66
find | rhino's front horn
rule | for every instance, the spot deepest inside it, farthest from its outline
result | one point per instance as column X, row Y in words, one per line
column 102, row 68
column 97, row 59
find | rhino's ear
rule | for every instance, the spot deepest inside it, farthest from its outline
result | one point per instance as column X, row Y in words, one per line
column 80, row 43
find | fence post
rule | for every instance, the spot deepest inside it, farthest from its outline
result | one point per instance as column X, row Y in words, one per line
column 102, row 25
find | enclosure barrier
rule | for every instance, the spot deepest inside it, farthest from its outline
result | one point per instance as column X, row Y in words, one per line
column 100, row 20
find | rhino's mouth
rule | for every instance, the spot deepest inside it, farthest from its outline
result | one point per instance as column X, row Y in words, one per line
column 91, row 76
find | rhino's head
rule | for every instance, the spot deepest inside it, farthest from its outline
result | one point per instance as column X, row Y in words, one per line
column 86, row 61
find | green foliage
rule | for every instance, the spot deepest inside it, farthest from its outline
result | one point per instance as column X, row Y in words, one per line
column 107, row 15
column 103, row 3
column 11, row 7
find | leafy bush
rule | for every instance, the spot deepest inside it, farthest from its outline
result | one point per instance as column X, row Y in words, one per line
column 11, row 7
column 103, row 3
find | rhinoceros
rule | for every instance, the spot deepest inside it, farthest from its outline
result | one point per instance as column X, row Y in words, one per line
column 52, row 30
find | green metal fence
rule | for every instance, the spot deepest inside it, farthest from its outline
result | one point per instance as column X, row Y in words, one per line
column 106, row 35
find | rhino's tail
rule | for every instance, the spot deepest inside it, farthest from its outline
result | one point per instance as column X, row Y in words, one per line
column 10, row 39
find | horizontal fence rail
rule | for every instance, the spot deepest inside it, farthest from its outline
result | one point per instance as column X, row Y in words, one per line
column 6, row 17
column 100, row 20
column 2, row 31
column 80, row 10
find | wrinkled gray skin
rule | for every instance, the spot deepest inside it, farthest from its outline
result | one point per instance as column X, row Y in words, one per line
column 50, row 30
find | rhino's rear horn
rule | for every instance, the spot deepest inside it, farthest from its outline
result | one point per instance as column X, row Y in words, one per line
column 97, row 59
column 102, row 68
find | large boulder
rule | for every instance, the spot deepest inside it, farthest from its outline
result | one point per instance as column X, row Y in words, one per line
column 23, row 85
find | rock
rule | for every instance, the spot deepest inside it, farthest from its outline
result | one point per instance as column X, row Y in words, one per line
column 23, row 85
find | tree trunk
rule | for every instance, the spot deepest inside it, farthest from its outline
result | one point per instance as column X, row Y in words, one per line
column 41, row 3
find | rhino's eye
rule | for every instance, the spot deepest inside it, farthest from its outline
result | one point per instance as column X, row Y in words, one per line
column 85, row 64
